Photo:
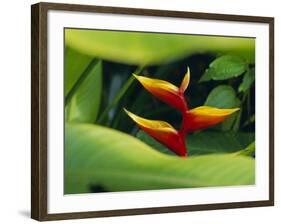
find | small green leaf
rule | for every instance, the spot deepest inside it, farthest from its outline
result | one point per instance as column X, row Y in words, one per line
column 222, row 96
column 85, row 101
column 115, row 161
column 247, row 81
column 225, row 67
column 208, row 74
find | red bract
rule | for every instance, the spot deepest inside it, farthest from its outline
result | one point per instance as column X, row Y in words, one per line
column 166, row 91
column 162, row 132
column 193, row 120
column 204, row 117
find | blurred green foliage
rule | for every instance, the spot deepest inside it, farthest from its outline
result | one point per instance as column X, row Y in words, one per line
column 98, row 83
column 119, row 162
column 141, row 48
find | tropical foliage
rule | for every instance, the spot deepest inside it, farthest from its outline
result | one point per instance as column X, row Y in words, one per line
column 106, row 151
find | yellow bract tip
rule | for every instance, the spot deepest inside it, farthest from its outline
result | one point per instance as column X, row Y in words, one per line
column 136, row 76
column 212, row 111
column 156, row 84
column 185, row 81
column 151, row 124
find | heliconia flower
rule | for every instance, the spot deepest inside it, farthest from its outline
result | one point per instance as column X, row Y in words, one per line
column 204, row 117
column 192, row 120
column 163, row 132
column 165, row 91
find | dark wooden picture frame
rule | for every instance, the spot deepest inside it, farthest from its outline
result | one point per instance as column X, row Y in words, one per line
column 39, row 149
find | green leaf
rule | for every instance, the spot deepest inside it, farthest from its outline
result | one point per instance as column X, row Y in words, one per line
column 208, row 74
column 75, row 64
column 140, row 48
column 225, row 67
column 85, row 101
column 222, row 96
column 115, row 161
column 206, row 142
column 247, row 81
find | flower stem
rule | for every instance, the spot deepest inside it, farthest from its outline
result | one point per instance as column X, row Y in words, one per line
column 182, row 131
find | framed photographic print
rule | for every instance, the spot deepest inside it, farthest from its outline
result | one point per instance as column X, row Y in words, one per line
column 138, row 111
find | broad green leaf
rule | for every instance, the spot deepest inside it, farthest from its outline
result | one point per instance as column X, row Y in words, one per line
column 75, row 64
column 140, row 48
column 115, row 161
column 225, row 67
column 247, row 81
column 84, row 103
column 224, row 96
column 206, row 142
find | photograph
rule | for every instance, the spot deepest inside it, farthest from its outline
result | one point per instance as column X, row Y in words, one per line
column 134, row 111
column 150, row 111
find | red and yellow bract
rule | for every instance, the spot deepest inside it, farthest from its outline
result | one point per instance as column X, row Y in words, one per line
column 162, row 132
column 193, row 120
column 165, row 91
